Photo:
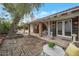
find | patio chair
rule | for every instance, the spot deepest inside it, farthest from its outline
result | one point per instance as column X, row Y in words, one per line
column 73, row 49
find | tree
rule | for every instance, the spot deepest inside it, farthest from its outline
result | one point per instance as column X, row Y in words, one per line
column 17, row 12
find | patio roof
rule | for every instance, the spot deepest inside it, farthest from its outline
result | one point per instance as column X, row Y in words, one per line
column 63, row 15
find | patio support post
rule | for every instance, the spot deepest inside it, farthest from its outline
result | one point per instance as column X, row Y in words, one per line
column 49, row 28
column 40, row 29
column 31, row 28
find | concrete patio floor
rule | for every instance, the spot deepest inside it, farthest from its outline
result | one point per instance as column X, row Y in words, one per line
column 63, row 43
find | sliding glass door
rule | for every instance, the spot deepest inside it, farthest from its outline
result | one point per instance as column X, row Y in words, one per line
column 68, row 28
column 59, row 28
column 64, row 28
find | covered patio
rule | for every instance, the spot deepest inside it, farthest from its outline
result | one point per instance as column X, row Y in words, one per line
column 58, row 28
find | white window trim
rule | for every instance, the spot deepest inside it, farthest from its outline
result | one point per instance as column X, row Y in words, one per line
column 63, row 29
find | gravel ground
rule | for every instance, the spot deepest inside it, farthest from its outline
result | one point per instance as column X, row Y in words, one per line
column 26, row 46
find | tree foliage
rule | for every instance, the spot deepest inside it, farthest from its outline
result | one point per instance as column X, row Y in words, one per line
column 18, row 11
column 21, row 9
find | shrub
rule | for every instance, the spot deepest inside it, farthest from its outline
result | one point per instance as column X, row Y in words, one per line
column 19, row 27
column 51, row 45
column 22, row 27
column 4, row 27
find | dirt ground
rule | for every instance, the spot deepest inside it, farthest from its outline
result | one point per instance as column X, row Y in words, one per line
column 26, row 46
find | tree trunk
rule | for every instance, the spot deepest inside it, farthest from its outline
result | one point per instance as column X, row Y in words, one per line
column 12, row 30
column 28, row 29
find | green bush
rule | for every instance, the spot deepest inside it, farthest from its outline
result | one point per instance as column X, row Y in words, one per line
column 22, row 27
column 4, row 27
column 19, row 27
column 51, row 45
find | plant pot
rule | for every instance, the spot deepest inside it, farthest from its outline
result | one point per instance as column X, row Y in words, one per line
column 51, row 45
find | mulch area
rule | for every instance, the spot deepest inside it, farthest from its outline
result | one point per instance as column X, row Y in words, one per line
column 25, row 46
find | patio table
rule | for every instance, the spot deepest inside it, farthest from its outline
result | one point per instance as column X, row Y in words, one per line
column 56, row 51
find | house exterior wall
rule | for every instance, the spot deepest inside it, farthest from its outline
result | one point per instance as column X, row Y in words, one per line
column 75, row 26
